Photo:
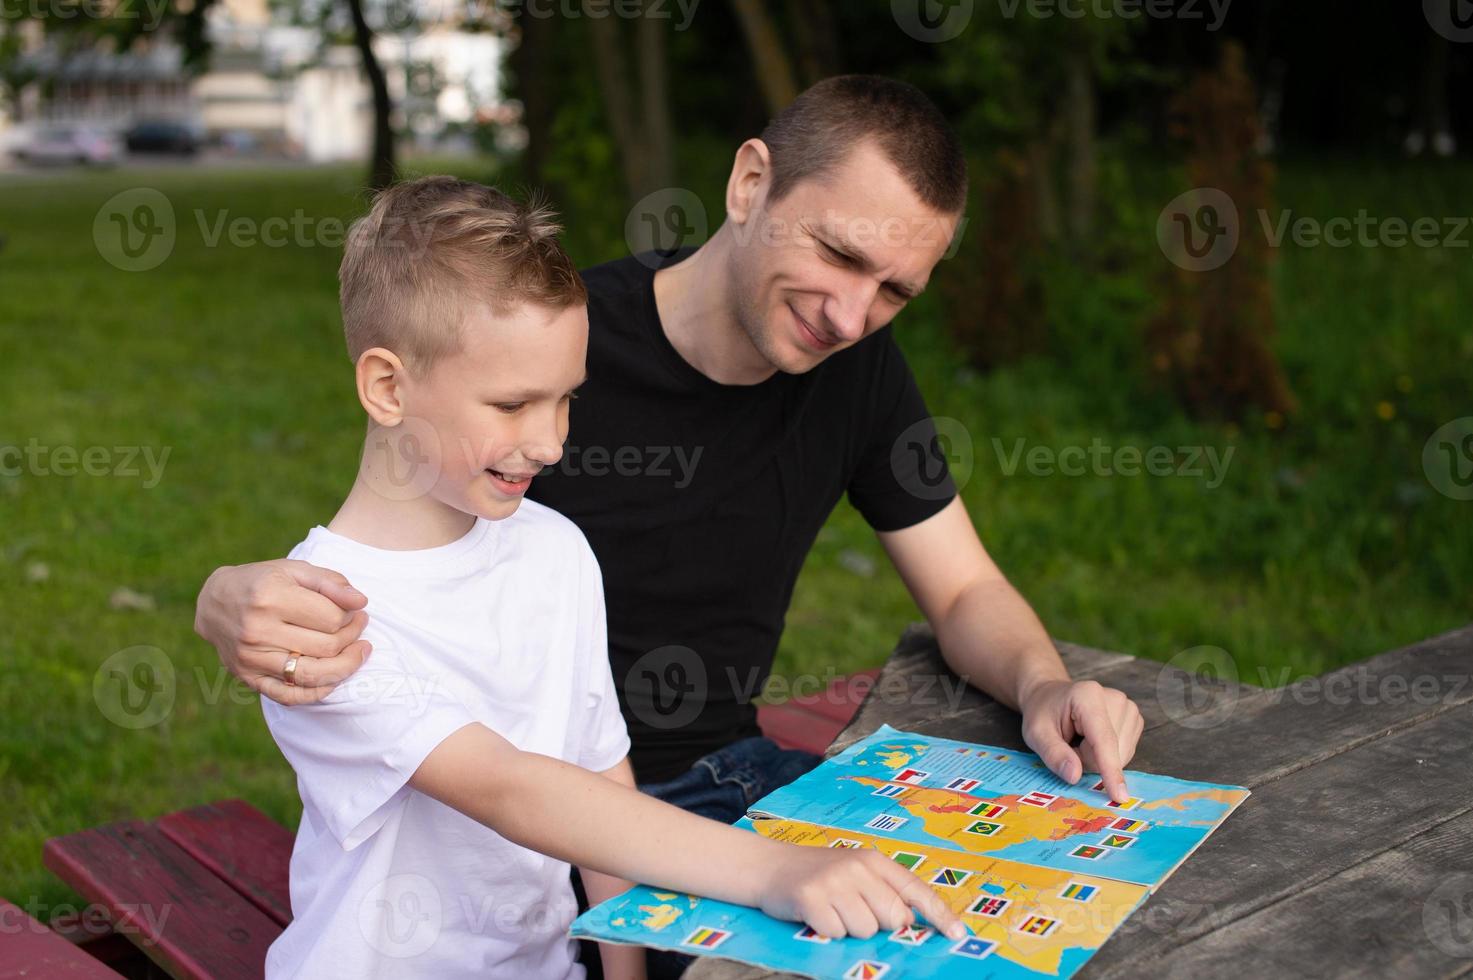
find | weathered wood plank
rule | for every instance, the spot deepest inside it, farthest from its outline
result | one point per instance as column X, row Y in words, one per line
column 1302, row 829
column 917, row 692
column 184, row 918
column 1402, row 913
column 30, row 951
column 246, row 849
column 1270, row 734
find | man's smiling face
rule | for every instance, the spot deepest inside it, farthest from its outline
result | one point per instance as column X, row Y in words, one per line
column 834, row 260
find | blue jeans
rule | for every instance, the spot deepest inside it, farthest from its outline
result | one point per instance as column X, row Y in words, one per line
column 720, row 786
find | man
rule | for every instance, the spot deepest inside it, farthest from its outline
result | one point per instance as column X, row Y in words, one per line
column 735, row 393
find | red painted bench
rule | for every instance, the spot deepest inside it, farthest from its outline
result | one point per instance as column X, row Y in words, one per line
column 203, row 892
column 30, row 949
column 811, row 721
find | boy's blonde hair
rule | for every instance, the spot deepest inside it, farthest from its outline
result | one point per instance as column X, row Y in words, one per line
column 431, row 248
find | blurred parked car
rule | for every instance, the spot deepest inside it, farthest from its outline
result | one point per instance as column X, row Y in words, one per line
column 69, row 144
column 162, row 136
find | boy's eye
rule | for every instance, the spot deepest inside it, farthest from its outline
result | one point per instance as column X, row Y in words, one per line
column 510, row 408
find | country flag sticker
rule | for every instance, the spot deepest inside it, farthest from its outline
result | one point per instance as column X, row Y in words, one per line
column 707, row 938
column 844, row 842
column 1099, row 787
column 808, row 935
column 950, row 877
column 1037, row 798
column 1037, row 925
column 1128, row 825
column 974, row 947
column 1078, row 891
column 1118, row 841
column 1088, row 852
column 908, row 860
column 889, row 790
column 988, row 810
column 911, row 935
column 990, row 906
column 886, row 822
column 963, row 785
column 987, row 828
column 866, row 970
column 911, row 777
column 1129, row 804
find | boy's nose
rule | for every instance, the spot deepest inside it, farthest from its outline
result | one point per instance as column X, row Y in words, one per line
column 544, row 453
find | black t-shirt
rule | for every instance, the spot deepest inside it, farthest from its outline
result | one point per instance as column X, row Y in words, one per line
column 701, row 501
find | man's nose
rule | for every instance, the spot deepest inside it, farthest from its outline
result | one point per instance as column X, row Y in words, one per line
column 848, row 310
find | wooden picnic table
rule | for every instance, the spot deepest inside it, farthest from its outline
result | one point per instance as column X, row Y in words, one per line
column 1352, row 857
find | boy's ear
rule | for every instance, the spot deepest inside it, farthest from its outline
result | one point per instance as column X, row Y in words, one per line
column 750, row 176
column 380, row 376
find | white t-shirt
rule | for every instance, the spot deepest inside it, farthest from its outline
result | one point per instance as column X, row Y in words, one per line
column 504, row 627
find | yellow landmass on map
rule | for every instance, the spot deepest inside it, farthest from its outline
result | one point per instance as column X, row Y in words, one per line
column 1227, row 797
column 1030, row 891
column 657, row 917
column 944, row 814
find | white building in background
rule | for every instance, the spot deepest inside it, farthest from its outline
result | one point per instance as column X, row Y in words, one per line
column 270, row 85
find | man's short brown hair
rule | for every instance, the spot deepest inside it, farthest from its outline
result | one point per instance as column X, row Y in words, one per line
column 814, row 135
column 430, row 249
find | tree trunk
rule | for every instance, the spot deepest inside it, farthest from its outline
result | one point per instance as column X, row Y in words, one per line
column 529, row 63
column 381, row 164
column 1079, row 129
column 816, row 39
column 769, row 60
column 646, row 151
column 654, row 84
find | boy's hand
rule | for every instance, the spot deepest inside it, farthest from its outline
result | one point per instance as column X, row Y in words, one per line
column 257, row 615
column 1054, row 712
column 852, row 892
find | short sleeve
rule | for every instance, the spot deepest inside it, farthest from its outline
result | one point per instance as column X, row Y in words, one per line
column 355, row 751
column 902, row 476
column 605, row 739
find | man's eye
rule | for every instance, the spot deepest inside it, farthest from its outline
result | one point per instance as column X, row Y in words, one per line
column 511, row 408
column 834, row 255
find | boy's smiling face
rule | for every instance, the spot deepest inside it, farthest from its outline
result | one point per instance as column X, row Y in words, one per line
column 486, row 418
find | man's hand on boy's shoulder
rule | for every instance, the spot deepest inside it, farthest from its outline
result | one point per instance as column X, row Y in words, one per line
column 258, row 616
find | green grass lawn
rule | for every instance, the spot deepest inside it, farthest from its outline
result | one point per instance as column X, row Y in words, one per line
column 1323, row 544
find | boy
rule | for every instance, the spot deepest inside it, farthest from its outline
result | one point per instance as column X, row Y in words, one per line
column 446, row 786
